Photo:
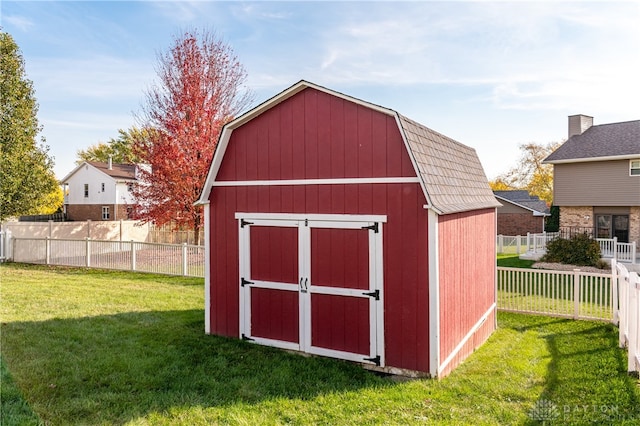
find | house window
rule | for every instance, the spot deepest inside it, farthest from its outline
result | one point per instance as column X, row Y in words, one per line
column 105, row 213
column 610, row 226
column 86, row 190
column 634, row 168
column 102, row 187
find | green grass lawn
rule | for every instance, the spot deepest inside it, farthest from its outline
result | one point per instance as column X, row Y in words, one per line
column 102, row 348
column 514, row 261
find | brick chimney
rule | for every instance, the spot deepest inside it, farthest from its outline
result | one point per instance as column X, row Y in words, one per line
column 578, row 124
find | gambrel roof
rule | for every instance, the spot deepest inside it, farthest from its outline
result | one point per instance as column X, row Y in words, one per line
column 614, row 141
column 450, row 173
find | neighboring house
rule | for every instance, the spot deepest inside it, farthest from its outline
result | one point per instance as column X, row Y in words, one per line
column 99, row 191
column 520, row 213
column 341, row 228
column 597, row 178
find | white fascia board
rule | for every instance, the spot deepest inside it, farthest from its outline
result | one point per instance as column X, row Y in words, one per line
column 594, row 159
column 68, row 176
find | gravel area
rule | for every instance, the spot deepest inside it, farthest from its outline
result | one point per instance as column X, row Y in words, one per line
column 563, row 267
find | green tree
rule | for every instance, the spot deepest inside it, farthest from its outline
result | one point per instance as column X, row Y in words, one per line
column 530, row 173
column 26, row 169
column 120, row 149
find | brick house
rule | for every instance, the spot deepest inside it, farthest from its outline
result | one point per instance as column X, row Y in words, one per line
column 520, row 213
column 99, row 191
column 597, row 178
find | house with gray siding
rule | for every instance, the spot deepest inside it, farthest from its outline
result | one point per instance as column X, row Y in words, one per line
column 596, row 178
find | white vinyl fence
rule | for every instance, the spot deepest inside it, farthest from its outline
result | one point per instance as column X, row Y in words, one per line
column 171, row 259
column 628, row 313
column 610, row 248
column 570, row 294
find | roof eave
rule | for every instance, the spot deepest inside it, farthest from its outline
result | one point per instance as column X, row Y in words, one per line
column 515, row 203
column 593, row 159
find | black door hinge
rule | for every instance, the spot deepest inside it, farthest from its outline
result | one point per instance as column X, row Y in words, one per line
column 247, row 338
column 244, row 282
column 374, row 294
column 375, row 360
column 244, row 222
column 373, row 227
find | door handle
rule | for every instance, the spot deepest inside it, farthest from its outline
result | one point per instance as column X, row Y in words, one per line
column 303, row 284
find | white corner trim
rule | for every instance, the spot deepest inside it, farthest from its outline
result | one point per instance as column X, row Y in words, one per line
column 434, row 294
column 338, row 181
column 470, row 334
column 207, row 272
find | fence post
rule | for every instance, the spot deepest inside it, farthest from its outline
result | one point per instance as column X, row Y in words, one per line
column 47, row 250
column 88, row 252
column 632, row 347
column 133, row 256
column 184, row 259
column 8, row 244
column 576, row 293
column 615, row 247
column 500, row 243
column 633, row 253
column 614, row 291
column 518, row 244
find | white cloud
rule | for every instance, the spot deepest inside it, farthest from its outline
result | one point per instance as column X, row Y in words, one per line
column 20, row 22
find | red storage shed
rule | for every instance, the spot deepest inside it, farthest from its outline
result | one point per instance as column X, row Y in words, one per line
column 341, row 228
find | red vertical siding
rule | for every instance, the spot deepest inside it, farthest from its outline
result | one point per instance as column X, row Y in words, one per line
column 274, row 314
column 467, row 276
column 340, row 323
column 315, row 135
column 340, row 258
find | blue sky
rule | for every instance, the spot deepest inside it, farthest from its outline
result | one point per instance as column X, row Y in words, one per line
column 492, row 75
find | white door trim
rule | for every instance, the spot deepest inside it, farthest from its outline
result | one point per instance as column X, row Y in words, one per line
column 305, row 287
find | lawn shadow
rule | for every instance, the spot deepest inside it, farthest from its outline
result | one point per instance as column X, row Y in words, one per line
column 116, row 368
column 575, row 391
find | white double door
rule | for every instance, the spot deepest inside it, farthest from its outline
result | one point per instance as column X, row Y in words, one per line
column 313, row 283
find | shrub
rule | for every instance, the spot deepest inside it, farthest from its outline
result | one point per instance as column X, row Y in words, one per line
column 580, row 250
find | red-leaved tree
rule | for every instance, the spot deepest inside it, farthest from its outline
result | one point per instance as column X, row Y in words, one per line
column 201, row 87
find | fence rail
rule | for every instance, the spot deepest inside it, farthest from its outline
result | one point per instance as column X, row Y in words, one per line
column 570, row 294
column 171, row 259
column 627, row 285
column 610, row 248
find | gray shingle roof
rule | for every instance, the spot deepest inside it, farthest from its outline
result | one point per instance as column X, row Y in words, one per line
column 604, row 140
column 450, row 171
column 118, row 171
column 522, row 198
